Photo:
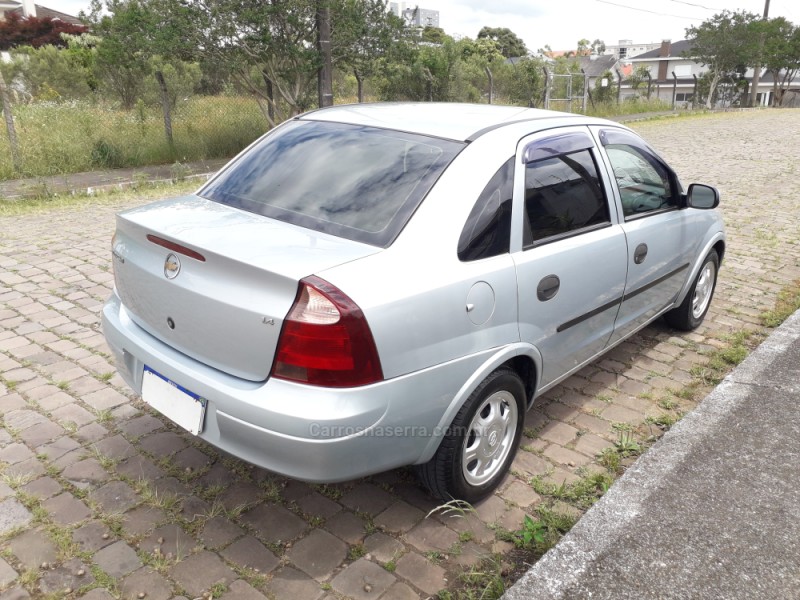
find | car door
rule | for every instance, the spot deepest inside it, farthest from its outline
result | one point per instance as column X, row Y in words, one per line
column 571, row 260
column 659, row 247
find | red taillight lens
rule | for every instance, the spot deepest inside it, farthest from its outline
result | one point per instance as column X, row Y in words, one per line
column 326, row 340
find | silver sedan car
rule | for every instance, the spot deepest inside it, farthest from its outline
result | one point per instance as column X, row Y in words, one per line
column 373, row 286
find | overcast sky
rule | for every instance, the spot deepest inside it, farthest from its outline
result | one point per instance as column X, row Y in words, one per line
column 561, row 23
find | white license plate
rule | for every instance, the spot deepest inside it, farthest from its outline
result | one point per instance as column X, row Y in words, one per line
column 173, row 401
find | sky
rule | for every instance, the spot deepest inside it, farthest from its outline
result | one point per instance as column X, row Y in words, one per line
column 561, row 23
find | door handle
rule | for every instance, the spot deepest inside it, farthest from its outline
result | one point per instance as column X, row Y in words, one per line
column 548, row 288
column 640, row 254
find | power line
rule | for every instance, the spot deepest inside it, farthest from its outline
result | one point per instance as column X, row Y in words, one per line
column 695, row 5
column 652, row 12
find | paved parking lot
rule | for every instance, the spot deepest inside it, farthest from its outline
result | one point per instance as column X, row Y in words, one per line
column 101, row 498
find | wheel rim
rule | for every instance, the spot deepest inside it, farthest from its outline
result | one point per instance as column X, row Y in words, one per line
column 703, row 290
column 489, row 438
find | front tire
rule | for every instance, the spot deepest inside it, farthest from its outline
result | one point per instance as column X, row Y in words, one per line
column 694, row 307
column 480, row 443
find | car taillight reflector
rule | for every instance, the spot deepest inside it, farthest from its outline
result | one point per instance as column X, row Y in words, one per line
column 179, row 248
column 326, row 340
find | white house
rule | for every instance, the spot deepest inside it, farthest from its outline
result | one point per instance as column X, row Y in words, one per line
column 26, row 8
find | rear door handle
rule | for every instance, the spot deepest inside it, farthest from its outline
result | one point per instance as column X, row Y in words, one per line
column 548, row 288
column 640, row 254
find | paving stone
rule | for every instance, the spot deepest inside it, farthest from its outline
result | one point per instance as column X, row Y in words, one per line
column 143, row 520
column 65, row 577
column 239, row 494
column 13, row 515
column 291, row 583
column 14, row 453
column 363, row 580
column 163, row 443
column 367, row 498
column 115, row 497
column 22, row 419
column 318, row 505
column 169, row 540
column 399, row 517
column 85, row 473
column 41, row 433
column 97, row 594
column 422, row 573
column 11, row 402
column 382, row 547
column 73, row 413
column 592, row 445
column 136, row 428
column 241, row 590
column 57, row 399
column 200, row 571
column 30, row 469
column 400, row 591
column 103, row 399
column 430, row 535
column 191, row 459
column 520, row 494
column 318, row 554
column 58, row 448
column 139, row 468
column 5, row 491
column 558, row 433
column 92, row 536
column 620, row 414
column 7, row 574
column 32, row 548
column 530, row 463
column 249, row 552
column 219, row 532
column 65, row 509
column 93, row 432
column 565, row 456
column 118, row 559
column 148, row 581
column 346, row 526
column 115, row 447
column 274, row 523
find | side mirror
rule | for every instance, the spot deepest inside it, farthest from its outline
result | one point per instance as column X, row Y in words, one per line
column 702, row 196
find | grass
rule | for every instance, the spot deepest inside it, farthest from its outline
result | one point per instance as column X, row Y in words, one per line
column 57, row 138
column 787, row 303
column 40, row 204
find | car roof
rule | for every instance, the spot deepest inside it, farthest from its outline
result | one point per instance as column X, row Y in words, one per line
column 451, row 120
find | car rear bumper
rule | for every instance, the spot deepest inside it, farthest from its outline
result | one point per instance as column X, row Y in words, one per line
column 304, row 432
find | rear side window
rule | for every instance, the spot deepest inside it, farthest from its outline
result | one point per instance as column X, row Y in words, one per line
column 487, row 231
column 360, row 183
column 563, row 196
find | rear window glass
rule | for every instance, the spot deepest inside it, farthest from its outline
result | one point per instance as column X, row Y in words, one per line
column 360, row 183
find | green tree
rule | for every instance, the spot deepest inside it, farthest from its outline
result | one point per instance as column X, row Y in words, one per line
column 434, row 35
column 780, row 54
column 726, row 43
column 508, row 42
column 52, row 73
column 605, row 93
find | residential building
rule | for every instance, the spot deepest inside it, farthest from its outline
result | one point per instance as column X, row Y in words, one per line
column 415, row 16
column 26, row 8
column 674, row 75
column 627, row 49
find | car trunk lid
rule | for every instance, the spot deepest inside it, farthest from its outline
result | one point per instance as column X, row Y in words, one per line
column 237, row 278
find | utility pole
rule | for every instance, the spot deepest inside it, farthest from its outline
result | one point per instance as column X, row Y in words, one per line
column 325, row 73
column 757, row 67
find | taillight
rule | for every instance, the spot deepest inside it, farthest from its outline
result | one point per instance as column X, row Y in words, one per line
column 326, row 340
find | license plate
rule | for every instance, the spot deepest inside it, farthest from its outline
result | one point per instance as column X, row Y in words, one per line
column 173, row 401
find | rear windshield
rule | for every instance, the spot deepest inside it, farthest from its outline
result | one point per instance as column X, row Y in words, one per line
column 360, row 183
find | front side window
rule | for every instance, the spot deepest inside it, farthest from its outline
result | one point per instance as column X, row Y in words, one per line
column 645, row 183
column 360, row 183
column 563, row 196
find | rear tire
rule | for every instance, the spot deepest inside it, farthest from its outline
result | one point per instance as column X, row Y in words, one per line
column 481, row 442
column 694, row 307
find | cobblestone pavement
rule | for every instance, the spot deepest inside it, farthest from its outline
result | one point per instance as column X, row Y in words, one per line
column 101, row 498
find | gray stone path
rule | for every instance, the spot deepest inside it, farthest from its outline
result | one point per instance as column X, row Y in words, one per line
column 101, row 498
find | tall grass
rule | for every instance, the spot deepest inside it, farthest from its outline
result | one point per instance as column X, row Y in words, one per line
column 70, row 137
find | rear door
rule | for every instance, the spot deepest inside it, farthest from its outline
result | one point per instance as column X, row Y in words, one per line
column 572, row 264
column 659, row 247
